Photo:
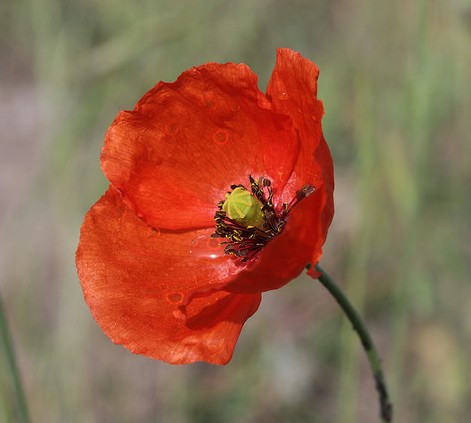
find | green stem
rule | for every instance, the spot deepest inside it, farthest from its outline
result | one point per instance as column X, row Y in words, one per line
column 366, row 341
column 6, row 345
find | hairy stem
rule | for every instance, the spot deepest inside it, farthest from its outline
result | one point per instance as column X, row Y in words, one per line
column 366, row 341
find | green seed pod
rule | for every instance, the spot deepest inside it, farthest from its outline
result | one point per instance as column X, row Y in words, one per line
column 244, row 208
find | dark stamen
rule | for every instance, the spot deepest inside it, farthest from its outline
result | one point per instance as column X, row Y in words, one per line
column 246, row 241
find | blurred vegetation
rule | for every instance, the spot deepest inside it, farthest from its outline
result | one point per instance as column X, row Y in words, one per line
column 395, row 83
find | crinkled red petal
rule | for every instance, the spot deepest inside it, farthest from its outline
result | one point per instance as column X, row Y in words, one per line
column 286, row 256
column 136, row 280
column 292, row 90
column 175, row 156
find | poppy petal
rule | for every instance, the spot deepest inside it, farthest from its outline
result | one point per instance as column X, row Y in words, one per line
column 286, row 256
column 292, row 89
column 175, row 156
column 135, row 280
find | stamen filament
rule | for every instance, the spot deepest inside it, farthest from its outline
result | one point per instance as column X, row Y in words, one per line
column 246, row 231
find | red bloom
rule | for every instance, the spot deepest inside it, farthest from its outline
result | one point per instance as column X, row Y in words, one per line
column 153, row 276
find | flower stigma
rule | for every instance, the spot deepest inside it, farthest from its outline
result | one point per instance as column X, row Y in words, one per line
column 242, row 207
column 248, row 220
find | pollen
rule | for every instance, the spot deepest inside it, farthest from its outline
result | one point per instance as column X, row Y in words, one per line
column 248, row 220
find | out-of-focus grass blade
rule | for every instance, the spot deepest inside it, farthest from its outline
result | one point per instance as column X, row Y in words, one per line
column 12, row 391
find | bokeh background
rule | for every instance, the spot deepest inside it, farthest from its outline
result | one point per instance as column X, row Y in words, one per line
column 395, row 81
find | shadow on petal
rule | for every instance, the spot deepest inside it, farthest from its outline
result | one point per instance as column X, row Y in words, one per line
column 208, row 311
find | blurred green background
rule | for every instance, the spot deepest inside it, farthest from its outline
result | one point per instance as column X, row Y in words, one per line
column 395, row 81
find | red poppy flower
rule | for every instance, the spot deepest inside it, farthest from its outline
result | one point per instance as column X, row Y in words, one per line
column 170, row 266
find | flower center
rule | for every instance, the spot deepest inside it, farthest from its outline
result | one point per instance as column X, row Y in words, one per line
column 248, row 220
column 242, row 207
